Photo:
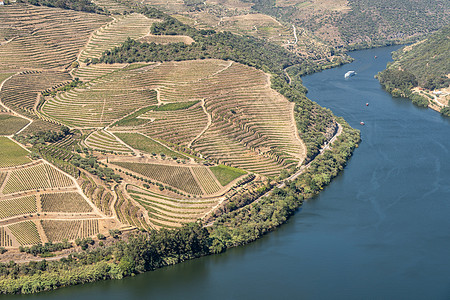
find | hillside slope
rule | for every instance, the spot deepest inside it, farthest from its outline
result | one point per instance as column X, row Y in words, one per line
column 421, row 71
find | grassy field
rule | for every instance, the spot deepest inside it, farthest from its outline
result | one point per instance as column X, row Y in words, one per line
column 146, row 144
column 226, row 174
column 176, row 106
column 12, row 154
column 10, row 124
column 132, row 120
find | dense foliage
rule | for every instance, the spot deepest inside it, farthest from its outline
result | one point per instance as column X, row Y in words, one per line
column 44, row 250
column 446, row 110
column 223, row 45
column 395, row 79
column 42, row 137
column 374, row 22
column 427, row 60
column 143, row 252
column 80, row 5
column 93, row 166
column 423, row 64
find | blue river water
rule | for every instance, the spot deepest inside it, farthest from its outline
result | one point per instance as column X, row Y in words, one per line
column 380, row 230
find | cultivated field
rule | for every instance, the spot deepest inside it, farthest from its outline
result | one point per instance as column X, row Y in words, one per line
column 18, row 206
column 179, row 177
column 115, row 33
column 12, row 154
column 10, row 124
column 41, row 37
column 143, row 143
column 170, row 212
column 233, row 115
column 26, row 233
column 39, row 176
column 102, row 140
column 68, row 202
column 57, row 230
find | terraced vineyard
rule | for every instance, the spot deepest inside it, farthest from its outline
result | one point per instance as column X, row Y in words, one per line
column 59, row 230
column 5, row 238
column 18, row 206
column 115, row 33
column 90, row 72
column 111, row 5
column 25, row 233
column 102, row 140
column 69, row 202
column 40, row 176
column 176, row 176
column 175, row 133
column 35, row 44
column 252, row 125
column 169, row 212
column 97, row 193
column 22, row 90
column 236, row 118
column 101, row 101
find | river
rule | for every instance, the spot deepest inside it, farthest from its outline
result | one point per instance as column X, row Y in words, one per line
column 381, row 230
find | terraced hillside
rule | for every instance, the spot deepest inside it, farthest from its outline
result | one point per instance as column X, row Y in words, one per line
column 192, row 179
column 102, row 140
column 231, row 114
column 42, row 193
column 101, row 101
column 150, row 144
column 22, row 91
column 35, row 37
column 170, row 212
column 114, row 33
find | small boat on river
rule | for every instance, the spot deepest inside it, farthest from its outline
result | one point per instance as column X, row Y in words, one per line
column 362, row 123
column 349, row 74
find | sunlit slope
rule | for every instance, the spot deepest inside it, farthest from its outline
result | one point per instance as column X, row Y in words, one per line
column 230, row 113
column 35, row 37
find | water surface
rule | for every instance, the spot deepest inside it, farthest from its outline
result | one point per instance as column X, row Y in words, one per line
column 381, row 230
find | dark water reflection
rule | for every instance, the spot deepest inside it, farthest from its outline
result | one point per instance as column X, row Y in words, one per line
column 381, row 230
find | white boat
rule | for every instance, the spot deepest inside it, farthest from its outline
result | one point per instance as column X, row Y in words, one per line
column 349, row 74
